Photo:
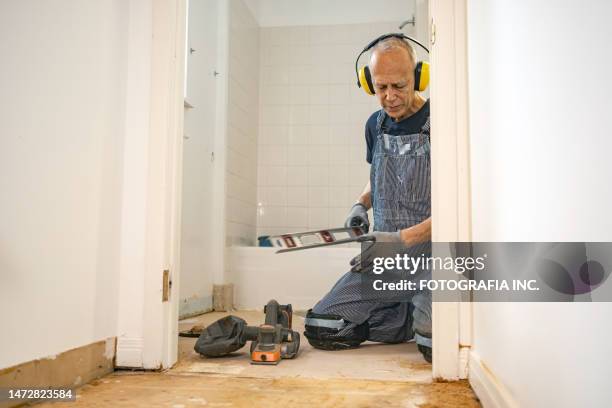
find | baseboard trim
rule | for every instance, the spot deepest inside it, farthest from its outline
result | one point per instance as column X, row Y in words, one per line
column 487, row 386
column 69, row 369
column 194, row 306
column 129, row 352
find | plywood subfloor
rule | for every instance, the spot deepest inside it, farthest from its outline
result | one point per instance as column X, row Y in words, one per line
column 372, row 375
column 197, row 390
column 397, row 362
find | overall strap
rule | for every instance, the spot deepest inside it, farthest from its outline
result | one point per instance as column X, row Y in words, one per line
column 425, row 128
column 380, row 120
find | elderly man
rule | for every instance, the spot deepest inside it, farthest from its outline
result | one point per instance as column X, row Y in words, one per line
column 399, row 193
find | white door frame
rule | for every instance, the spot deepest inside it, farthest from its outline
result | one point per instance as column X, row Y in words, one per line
column 147, row 324
column 147, row 328
column 451, row 195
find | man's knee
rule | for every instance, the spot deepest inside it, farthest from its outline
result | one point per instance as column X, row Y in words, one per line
column 332, row 332
column 421, row 324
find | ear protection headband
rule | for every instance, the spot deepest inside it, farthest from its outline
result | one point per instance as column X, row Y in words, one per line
column 421, row 70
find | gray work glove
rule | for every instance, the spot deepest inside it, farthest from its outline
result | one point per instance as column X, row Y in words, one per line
column 368, row 251
column 358, row 217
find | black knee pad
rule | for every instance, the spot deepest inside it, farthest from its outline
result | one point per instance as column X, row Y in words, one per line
column 426, row 352
column 332, row 332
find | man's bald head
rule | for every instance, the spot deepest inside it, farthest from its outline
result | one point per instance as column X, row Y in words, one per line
column 392, row 64
column 392, row 44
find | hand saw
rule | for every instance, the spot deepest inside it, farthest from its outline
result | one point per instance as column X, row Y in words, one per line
column 315, row 239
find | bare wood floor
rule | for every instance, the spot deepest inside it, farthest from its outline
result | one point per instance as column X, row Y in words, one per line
column 372, row 375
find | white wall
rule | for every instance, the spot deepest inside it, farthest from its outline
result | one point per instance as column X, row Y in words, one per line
column 198, row 167
column 540, row 134
column 311, row 163
column 242, row 125
column 62, row 106
column 274, row 13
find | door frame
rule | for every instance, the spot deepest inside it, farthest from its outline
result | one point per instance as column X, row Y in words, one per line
column 148, row 327
column 451, row 191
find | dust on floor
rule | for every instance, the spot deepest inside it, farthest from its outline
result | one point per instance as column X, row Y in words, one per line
column 395, row 362
column 197, row 390
column 371, row 375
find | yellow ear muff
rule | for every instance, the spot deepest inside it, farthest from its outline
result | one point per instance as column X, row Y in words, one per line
column 365, row 80
column 421, row 76
column 421, row 71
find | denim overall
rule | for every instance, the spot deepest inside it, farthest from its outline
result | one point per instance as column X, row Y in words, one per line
column 400, row 177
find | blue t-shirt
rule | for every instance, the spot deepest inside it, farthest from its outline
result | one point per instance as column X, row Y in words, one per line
column 410, row 125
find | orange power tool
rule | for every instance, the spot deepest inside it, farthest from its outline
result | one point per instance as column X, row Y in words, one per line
column 270, row 342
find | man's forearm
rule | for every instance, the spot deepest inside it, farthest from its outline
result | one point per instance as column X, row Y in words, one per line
column 365, row 197
column 417, row 233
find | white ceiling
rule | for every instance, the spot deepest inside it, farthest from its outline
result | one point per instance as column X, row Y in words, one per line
column 274, row 13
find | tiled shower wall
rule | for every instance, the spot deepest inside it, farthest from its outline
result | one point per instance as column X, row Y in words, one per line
column 242, row 126
column 311, row 149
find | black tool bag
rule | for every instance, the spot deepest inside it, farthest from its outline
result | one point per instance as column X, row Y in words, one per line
column 222, row 337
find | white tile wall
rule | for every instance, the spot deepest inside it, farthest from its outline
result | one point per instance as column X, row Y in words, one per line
column 311, row 148
column 243, row 126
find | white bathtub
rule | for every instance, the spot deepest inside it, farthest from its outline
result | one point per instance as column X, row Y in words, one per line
column 300, row 278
